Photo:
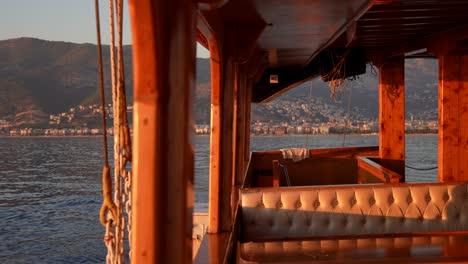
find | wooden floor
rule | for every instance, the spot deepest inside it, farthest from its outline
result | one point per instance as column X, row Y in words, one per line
column 200, row 224
column 437, row 249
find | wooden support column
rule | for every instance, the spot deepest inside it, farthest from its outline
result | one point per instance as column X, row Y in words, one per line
column 163, row 36
column 392, row 110
column 237, row 119
column 241, row 121
column 230, row 47
column 453, row 118
column 247, row 113
column 221, row 137
column 239, row 135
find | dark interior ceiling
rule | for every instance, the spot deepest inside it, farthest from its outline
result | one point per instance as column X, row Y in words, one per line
column 299, row 32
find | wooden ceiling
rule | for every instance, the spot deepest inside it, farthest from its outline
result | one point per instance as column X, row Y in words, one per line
column 299, row 28
column 406, row 24
column 294, row 32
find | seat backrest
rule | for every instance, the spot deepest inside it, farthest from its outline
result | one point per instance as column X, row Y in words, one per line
column 295, row 213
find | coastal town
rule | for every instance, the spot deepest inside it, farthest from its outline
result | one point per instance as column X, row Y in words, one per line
column 307, row 119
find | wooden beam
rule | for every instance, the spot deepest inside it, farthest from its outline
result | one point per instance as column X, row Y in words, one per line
column 239, row 125
column 411, row 7
column 453, row 118
column 221, row 139
column 392, row 109
column 247, row 114
column 163, row 37
column 408, row 22
column 380, row 172
column 237, row 144
column 460, row 12
column 231, row 47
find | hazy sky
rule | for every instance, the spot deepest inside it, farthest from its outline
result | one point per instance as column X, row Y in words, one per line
column 62, row 20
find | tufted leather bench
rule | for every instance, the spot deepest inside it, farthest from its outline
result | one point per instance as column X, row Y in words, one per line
column 279, row 214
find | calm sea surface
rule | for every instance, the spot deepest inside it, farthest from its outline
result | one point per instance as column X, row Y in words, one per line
column 50, row 190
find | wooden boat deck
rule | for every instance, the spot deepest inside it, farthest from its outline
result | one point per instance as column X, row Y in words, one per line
column 402, row 249
column 438, row 248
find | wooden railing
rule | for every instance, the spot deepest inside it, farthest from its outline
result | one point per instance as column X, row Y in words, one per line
column 323, row 167
column 369, row 171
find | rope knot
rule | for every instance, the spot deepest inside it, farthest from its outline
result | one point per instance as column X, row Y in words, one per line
column 108, row 205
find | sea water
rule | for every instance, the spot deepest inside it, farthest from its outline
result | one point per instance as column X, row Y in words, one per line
column 50, row 190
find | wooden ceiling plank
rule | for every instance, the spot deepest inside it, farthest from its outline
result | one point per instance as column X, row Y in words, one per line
column 364, row 8
column 422, row 16
column 411, row 24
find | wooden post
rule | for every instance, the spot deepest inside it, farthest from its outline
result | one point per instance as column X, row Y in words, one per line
column 276, row 173
column 453, row 118
column 392, row 110
column 238, row 140
column 221, row 138
column 163, row 36
column 248, row 104
column 229, row 46
column 240, row 128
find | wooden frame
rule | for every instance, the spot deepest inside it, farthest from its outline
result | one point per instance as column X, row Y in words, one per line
column 385, row 175
column 163, row 36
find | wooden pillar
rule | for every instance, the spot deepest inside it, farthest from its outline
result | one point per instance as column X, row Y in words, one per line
column 163, row 36
column 247, row 113
column 230, row 46
column 392, row 110
column 221, row 137
column 239, row 136
column 240, row 129
column 453, row 118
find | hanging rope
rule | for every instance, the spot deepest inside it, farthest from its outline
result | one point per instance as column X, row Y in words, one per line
column 349, row 110
column 125, row 150
column 337, row 76
column 112, row 213
column 108, row 212
column 285, row 174
column 310, row 115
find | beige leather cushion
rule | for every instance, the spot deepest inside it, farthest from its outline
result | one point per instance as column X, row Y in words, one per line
column 331, row 249
column 360, row 210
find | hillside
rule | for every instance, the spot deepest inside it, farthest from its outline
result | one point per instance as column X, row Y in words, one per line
column 47, row 77
column 420, row 98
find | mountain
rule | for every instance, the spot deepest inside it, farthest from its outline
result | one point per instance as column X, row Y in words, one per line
column 49, row 77
column 421, row 93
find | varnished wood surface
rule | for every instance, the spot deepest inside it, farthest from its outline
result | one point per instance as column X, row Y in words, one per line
column 392, row 109
column 453, row 250
column 329, row 152
column 163, row 38
column 397, row 166
column 247, row 114
column 224, row 74
column 323, row 167
column 381, row 173
column 453, row 118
